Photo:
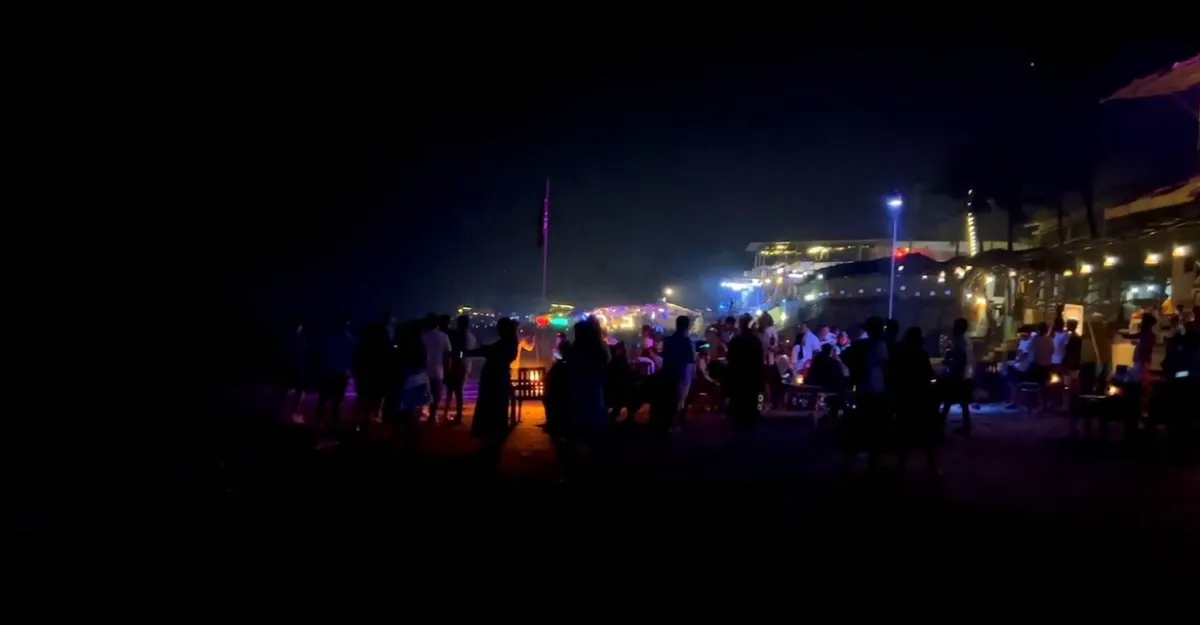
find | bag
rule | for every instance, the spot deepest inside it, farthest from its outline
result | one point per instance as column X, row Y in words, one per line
column 415, row 393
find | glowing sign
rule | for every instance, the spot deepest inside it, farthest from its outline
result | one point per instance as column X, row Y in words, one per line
column 542, row 321
column 560, row 323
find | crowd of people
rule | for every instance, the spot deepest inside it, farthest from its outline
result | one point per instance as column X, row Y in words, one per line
column 881, row 387
column 401, row 372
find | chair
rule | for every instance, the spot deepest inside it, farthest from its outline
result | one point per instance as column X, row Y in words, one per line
column 1030, row 388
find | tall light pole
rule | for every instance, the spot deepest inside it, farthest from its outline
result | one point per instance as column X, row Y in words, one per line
column 894, row 204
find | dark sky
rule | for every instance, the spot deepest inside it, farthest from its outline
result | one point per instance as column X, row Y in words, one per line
column 401, row 178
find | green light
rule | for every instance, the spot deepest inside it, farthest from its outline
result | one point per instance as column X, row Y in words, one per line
column 560, row 322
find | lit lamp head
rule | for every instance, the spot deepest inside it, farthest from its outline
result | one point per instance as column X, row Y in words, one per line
column 895, row 203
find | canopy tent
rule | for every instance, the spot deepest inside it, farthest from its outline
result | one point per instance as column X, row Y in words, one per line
column 1182, row 76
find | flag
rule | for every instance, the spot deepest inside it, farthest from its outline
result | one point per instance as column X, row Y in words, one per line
column 1182, row 76
column 544, row 218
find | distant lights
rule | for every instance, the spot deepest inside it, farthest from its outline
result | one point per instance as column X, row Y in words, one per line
column 1111, row 261
column 1153, row 259
column 1068, row 273
column 972, row 238
column 1086, row 268
column 1180, row 251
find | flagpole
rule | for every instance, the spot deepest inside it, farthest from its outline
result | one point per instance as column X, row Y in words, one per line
column 545, row 243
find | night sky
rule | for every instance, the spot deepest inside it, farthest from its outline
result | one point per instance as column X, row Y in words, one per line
column 398, row 179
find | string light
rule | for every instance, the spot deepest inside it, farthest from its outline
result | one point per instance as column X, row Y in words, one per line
column 972, row 239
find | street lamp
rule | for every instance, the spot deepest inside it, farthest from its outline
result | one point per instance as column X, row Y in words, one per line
column 894, row 204
column 668, row 291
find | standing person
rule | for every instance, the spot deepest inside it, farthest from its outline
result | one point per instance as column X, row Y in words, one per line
column 679, row 366
column 807, row 347
column 588, row 417
column 461, row 342
column 296, row 375
column 371, row 367
column 437, row 360
column 490, row 424
column 524, row 344
column 336, row 359
column 1144, row 351
column 1043, row 355
column 745, row 373
column 704, row 381
column 728, row 330
column 958, row 368
column 410, row 390
column 1059, row 338
column 863, row 428
column 891, row 332
column 770, row 340
column 917, row 419
column 1072, row 355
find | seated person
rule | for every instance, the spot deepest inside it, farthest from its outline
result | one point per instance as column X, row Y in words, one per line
column 826, row 371
column 1017, row 370
column 704, row 382
column 620, row 383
